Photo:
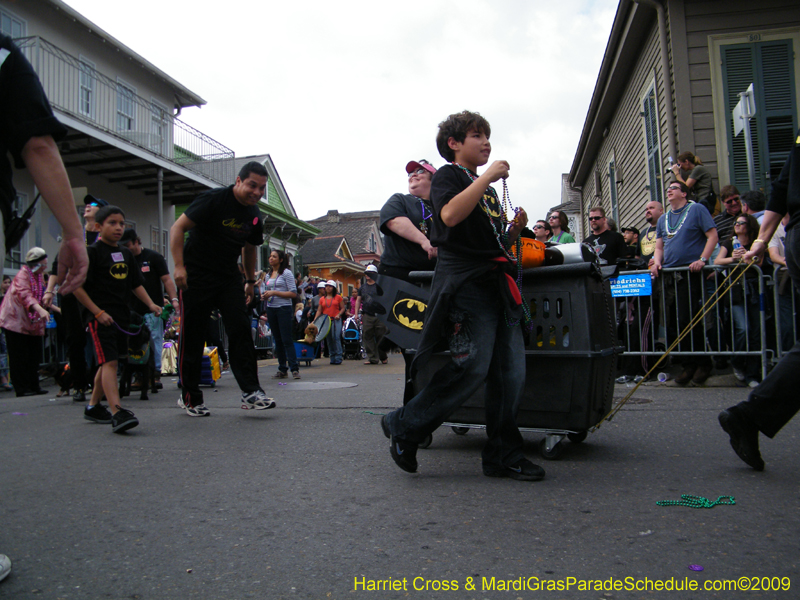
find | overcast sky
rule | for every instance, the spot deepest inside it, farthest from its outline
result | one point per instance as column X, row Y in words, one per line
column 343, row 94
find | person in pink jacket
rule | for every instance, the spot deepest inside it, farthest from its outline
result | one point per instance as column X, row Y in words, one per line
column 23, row 320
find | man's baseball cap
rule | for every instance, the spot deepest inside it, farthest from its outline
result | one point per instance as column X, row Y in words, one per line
column 420, row 164
column 633, row 229
column 89, row 199
column 34, row 255
column 321, row 284
column 371, row 269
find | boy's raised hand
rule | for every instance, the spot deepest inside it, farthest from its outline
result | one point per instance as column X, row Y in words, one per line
column 497, row 170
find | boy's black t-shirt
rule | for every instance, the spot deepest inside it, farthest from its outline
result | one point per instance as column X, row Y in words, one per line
column 222, row 227
column 113, row 275
column 474, row 236
column 153, row 267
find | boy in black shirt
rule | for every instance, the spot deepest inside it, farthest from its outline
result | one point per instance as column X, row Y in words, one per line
column 113, row 275
column 474, row 307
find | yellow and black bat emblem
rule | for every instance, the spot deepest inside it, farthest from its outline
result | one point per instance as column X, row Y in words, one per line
column 410, row 313
column 119, row 270
column 491, row 206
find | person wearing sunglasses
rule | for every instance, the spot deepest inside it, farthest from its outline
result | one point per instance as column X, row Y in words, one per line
column 406, row 221
column 608, row 245
column 542, row 231
column 744, row 298
column 732, row 208
column 560, row 228
column 686, row 236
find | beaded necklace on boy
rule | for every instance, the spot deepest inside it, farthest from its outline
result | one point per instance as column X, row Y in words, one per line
column 672, row 231
column 512, row 257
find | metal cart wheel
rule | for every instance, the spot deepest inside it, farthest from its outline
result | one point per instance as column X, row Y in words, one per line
column 551, row 454
column 577, row 438
column 460, row 430
column 426, row 442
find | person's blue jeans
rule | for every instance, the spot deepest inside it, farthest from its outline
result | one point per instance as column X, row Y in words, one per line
column 280, row 322
column 156, row 326
column 484, row 350
column 747, row 336
column 334, row 341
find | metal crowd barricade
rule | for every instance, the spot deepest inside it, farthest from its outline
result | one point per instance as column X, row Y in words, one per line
column 643, row 330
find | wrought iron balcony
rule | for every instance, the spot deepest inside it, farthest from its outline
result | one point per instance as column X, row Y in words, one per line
column 79, row 90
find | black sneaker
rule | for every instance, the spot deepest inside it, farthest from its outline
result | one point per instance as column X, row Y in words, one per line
column 123, row 420
column 744, row 438
column 403, row 453
column 97, row 414
column 79, row 396
column 522, row 470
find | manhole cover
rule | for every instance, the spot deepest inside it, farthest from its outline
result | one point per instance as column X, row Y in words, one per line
column 317, row 385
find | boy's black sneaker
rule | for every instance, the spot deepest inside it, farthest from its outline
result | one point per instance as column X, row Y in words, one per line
column 123, row 420
column 97, row 414
column 522, row 470
column 403, row 453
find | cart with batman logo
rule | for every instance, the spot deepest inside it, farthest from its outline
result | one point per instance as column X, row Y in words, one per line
column 570, row 352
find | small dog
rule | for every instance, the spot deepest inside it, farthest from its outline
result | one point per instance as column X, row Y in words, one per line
column 140, row 359
column 63, row 377
column 311, row 334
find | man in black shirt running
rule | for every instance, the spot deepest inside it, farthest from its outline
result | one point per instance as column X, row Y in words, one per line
column 223, row 224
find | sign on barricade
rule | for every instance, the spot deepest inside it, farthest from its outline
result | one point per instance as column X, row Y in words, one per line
column 632, row 285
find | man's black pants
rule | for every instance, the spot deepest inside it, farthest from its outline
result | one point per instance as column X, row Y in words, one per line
column 196, row 305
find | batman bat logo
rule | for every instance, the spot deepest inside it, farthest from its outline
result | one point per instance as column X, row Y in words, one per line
column 119, row 270
column 410, row 313
column 490, row 206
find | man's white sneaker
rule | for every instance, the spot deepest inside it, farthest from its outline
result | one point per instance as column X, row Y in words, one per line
column 198, row 411
column 180, row 402
column 256, row 400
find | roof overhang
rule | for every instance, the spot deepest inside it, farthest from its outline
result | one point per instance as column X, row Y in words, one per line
column 105, row 155
column 183, row 96
column 632, row 25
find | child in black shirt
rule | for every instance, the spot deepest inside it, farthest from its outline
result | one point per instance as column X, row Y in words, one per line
column 474, row 308
column 113, row 276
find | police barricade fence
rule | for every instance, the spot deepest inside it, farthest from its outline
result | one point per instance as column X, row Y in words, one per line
column 752, row 318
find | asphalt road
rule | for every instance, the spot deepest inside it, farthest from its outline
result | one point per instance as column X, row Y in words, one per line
column 304, row 501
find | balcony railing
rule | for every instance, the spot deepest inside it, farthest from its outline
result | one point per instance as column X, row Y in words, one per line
column 78, row 89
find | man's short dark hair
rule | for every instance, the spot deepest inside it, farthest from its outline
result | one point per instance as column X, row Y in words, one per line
column 252, row 167
column 599, row 209
column 130, row 236
column 727, row 191
column 755, row 200
column 457, row 126
column 106, row 211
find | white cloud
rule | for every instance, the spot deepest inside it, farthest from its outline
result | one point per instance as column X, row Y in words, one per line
column 343, row 94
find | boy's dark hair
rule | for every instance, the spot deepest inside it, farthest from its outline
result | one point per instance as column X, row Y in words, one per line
column 106, row 211
column 130, row 236
column 457, row 126
column 755, row 200
column 252, row 167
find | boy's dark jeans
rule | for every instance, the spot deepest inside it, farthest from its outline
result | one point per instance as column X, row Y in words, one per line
column 483, row 349
column 196, row 306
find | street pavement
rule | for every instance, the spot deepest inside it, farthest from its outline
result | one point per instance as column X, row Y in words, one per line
column 304, row 501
